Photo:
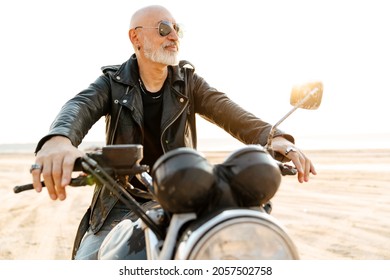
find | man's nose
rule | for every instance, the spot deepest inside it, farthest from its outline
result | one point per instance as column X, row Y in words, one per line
column 173, row 35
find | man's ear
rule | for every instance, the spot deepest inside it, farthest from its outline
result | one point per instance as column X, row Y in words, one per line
column 133, row 36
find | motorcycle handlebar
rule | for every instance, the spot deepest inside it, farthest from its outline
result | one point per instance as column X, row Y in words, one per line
column 286, row 169
column 80, row 181
column 84, row 179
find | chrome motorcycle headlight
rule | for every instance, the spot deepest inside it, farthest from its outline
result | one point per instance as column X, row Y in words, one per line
column 239, row 238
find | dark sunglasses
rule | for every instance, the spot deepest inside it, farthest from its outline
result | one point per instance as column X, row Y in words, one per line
column 165, row 28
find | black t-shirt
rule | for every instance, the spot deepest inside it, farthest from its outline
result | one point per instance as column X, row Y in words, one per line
column 152, row 103
column 152, row 107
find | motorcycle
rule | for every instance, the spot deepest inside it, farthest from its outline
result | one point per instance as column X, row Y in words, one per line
column 203, row 210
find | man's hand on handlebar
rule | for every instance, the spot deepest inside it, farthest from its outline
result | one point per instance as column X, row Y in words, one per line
column 56, row 158
column 302, row 163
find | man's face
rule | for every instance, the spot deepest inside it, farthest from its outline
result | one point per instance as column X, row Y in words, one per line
column 159, row 37
column 161, row 49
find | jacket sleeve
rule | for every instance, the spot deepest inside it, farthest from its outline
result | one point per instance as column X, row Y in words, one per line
column 80, row 113
column 219, row 109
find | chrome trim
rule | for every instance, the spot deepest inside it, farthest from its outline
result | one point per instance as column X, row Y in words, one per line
column 191, row 239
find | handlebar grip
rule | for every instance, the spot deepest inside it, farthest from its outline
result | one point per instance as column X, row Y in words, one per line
column 80, row 181
column 74, row 182
column 18, row 189
column 287, row 169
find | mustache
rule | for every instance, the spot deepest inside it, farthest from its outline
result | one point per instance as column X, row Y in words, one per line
column 171, row 44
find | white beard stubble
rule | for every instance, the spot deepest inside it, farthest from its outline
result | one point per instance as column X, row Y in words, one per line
column 160, row 55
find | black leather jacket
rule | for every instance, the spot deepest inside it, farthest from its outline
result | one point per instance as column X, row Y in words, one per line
column 117, row 96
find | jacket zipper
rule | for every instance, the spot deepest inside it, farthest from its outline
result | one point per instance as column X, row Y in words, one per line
column 117, row 121
column 169, row 124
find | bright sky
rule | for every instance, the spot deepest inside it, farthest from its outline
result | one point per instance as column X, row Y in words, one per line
column 253, row 50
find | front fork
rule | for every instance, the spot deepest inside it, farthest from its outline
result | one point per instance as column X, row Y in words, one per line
column 157, row 249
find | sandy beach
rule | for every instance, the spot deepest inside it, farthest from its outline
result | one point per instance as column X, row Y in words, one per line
column 343, row 213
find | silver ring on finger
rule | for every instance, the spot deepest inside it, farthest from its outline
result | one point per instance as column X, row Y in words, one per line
column 35, row 166
column 290, row 149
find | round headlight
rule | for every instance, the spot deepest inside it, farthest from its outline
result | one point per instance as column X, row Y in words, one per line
column 239, row 238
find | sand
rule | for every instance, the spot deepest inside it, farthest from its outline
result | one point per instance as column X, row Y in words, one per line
column 343, row 213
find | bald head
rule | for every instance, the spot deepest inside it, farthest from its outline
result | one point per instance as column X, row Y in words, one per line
column 160, row 47
column 150, row 15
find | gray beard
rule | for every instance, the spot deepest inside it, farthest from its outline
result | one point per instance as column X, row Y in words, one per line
column 160, row 55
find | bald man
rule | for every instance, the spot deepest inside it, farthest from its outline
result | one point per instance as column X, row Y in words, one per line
column 151, row 99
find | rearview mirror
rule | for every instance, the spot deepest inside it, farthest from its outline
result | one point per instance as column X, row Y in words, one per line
column 306, row 96
column 309, row 95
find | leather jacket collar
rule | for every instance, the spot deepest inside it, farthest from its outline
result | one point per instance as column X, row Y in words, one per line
column 128, row 73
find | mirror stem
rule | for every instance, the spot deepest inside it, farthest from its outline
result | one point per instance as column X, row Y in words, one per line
column 268, row 146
